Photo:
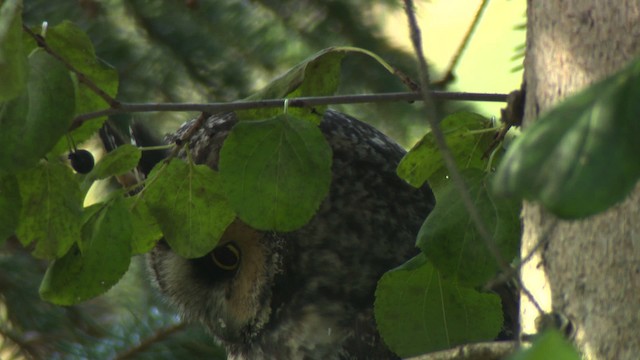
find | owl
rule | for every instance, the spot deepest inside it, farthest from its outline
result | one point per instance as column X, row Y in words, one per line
column 309, row 293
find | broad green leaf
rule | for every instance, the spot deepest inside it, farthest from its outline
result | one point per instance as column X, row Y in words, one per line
column 73, row 44
column 79, row 276
column 117, row 162
column 145, row 229
column 51, row 209
column 417, row 311
column 467, row 145
column 10, row 205
column 276, row 172
column 13, row 57
column 550, row 345
column 316, row 76
column 188, row 203
column 32, row 123
column 451, row 241
column 581, row 157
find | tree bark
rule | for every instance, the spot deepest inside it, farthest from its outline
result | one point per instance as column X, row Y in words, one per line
column 587, row 270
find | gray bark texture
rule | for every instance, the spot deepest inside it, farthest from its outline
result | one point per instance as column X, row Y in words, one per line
column 587, row 270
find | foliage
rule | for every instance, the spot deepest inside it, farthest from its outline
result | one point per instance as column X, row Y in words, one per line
column 548, row 345
column 418, row 310
column 586, row 137
column 90, row 247
column 92, row 251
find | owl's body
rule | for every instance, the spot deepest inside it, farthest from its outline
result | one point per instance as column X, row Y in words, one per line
column 306, row 294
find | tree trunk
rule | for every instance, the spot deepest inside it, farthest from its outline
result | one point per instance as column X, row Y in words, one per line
column 587, row 270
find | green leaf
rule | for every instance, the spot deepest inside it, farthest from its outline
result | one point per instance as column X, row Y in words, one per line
column 550, row 345
column 316, row 76
column 105, row 257
column 467, row 145
column 13, row 57
column 32, row 123
column 417, row 311
column 188, row 203
column 145, row 229
column 10, row 205
column 276, row 172
column 117, row 162
column 73, row 45
column 451, row 241
column 51, row 209
column 581, row 157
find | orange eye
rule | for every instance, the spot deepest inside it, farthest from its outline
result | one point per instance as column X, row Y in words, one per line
column 226, row 257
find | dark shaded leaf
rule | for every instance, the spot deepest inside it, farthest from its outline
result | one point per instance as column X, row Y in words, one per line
column 32, row 123
column 73, row 45
column 276, row 172
column 105, row 257
column 13, row 57
column 417, row 311
column 451, row 241
column 10, row 205
column 581, row 157
column 188, row 203
column 51, row 209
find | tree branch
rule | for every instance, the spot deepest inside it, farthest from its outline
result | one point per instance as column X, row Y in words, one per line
column 444, row 149
column 40, row 40
column 481, row 351
column 214, row 108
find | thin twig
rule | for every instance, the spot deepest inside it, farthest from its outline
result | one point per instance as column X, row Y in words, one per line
column 438, row 135
column 448, row 76
column 40, row 40
column 220, row 107
column 157, row 337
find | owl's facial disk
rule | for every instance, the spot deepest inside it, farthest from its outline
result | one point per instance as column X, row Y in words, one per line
column 228, row 290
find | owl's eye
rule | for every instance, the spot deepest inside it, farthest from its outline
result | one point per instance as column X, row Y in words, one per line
column 226, row 257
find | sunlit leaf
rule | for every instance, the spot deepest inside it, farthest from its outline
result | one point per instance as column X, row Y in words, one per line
column 418, row 311
column 276, row 172
column 467, row 145
column 550, row 345
column 105, row 257
column 581, row 157
column 13, row 57
column 32, row 123
column 51, row 209
column 451, row 241
column 188, row 203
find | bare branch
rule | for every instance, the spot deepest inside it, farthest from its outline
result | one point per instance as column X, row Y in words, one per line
column 480, row 351
column 213, row 108
column 438, row 135
column 157, row 337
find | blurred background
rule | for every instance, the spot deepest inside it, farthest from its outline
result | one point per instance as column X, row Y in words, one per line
column 206, row 51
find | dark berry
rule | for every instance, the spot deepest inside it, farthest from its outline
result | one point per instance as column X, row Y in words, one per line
column 81, row 161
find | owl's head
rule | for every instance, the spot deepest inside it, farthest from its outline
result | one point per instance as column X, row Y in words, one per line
column 229, row 290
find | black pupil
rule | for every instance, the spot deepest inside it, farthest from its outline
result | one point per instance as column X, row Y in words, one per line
column 227, row 256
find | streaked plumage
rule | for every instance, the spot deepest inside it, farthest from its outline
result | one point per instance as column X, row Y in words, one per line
column 306, row 294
